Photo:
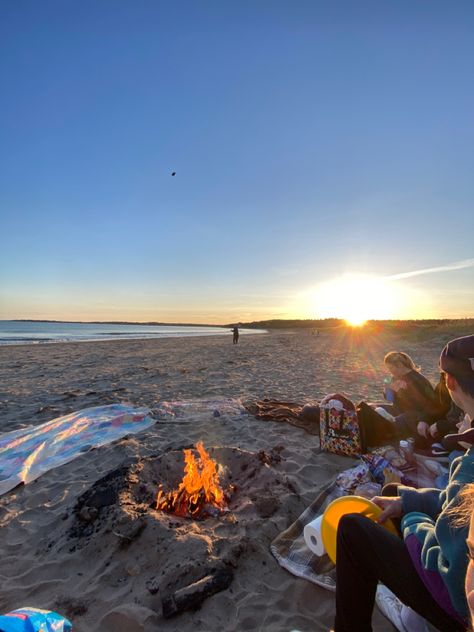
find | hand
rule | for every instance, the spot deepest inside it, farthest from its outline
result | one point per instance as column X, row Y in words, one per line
column 423, row 429
column 433, row 430
column 391, row 506
column 464, row 424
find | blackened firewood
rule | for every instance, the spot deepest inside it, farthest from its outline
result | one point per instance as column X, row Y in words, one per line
column 194, row 594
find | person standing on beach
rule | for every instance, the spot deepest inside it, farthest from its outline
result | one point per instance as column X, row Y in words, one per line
column 235, row 331
column 426, row 568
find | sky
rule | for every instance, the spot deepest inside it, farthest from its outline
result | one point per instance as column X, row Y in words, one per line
column 323, row 152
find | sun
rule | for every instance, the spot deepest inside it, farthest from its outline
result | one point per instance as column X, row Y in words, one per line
column 357, row 299
column 356, row 321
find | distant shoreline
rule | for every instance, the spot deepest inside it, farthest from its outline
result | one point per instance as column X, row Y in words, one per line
column 107, row 322
column 326, row 323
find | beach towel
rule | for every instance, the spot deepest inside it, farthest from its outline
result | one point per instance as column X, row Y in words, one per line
column 291, row 552
column 27, row 453
column 290, row 412
column 192, row 410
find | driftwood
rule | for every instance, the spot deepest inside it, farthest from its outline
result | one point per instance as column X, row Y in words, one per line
column 194, row 594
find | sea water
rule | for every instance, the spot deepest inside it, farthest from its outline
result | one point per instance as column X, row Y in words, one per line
column 34, row 332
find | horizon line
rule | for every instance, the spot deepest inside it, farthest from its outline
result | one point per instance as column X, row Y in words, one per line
column 241, row 323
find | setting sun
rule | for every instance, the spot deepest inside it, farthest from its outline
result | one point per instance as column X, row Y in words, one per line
column 356, row 321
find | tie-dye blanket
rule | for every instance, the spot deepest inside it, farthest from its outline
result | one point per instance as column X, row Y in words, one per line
column 27, row 453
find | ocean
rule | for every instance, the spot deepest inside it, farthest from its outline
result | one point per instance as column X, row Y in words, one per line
column 36, row 332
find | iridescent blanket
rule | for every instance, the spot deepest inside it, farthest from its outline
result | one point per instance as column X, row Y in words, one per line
column 27, row 453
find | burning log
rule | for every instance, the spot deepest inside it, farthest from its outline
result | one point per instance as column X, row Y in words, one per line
column 181, row 503
column 194, row 594
column 199, row 493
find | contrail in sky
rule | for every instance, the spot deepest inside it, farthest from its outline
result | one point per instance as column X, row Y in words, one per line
column 458, row 265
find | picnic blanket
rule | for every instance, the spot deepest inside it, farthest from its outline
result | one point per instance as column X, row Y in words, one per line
column 291, row 552
column 289, row 548
column 27, row 453
column 194, row 410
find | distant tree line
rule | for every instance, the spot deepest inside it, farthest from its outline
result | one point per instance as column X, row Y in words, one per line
column 331, row 323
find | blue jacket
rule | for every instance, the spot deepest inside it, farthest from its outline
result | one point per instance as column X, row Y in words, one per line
column 438, row 550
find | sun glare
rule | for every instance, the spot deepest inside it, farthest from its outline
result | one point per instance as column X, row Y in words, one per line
column 356, row 321
column 358, row 299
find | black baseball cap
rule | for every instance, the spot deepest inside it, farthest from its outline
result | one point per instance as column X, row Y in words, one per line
column 457, row 359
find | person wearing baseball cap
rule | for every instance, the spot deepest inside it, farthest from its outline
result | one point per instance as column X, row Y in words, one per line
column 457, row 365
column 426, row 568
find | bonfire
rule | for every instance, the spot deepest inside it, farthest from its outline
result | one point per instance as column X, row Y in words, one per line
column 199, row 494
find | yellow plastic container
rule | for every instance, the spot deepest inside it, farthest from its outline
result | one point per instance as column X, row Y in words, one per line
column 347, row 505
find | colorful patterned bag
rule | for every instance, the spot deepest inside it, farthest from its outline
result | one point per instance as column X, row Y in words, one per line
column 339, row 430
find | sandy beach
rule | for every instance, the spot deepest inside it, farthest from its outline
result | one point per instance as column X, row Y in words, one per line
column 103, row 583
column 216, row 214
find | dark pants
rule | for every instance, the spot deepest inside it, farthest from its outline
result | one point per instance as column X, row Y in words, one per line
column 378, row 431
column 375, row 429
column 367, row 554
column 407, row 426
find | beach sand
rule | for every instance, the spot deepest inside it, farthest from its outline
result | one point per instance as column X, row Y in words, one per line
column 108, row 582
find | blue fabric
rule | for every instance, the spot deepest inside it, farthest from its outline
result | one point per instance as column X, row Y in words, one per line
column 34, row 620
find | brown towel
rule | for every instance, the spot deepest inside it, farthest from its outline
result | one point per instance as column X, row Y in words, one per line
column 291, row 412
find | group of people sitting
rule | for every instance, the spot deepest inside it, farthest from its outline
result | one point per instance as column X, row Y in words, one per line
column 416, row 408
column 430, row 568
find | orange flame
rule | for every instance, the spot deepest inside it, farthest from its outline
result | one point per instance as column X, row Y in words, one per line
column 198, row 491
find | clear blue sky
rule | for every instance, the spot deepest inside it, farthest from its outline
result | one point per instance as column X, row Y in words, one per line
column 311, row 140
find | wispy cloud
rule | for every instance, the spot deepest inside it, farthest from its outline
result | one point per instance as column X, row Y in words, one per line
column 458, row 265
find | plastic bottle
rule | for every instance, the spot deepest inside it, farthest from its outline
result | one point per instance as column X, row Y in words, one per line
column 388, row 391
column 406, row 450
